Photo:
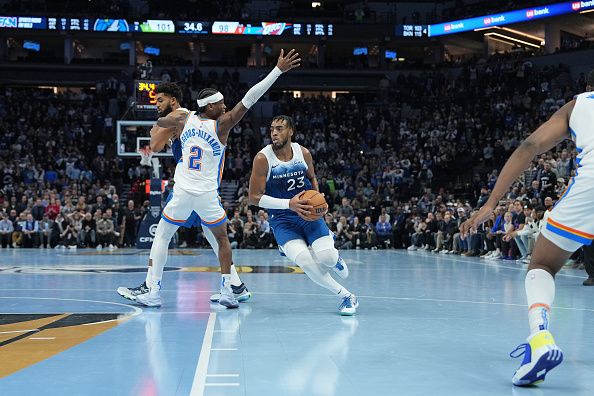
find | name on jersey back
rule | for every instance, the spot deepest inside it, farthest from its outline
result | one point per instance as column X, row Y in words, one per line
column 214, row 144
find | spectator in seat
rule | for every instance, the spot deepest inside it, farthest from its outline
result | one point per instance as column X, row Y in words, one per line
column 343, row 234
column 87, row 234
column 356, row 231
column 250, row 232
column 45, row 231
column 30, row 230
column 38, row 210
column 369, row 235
column 106, row 234
column 53, row 209
column 383, row 230
column 6, row 230
column 234, row 229
column 264, row 231
column 69, row 234
column 346, row 209
column 441, row 231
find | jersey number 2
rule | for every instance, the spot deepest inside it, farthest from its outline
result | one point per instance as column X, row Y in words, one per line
column 195, row 159
column 295, row 183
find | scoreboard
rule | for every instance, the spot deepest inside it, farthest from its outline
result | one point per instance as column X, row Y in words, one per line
column 144, row 92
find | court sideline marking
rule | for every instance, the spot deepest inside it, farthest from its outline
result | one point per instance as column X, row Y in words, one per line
column 199, row 382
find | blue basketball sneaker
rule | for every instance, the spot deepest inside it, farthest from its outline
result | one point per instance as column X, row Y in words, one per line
column 541, row 355
column 349, row 305
column 341, row 268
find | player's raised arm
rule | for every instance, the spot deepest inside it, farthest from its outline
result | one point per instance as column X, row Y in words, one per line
column 228, row 120
column 547, row 136
column 159, row 137
column 176, row 119
column 257, row 191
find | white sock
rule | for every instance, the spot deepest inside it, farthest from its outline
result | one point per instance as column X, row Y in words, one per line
column 235, row 280
column 159, row 252
column 320, row 276
column 225, row 281
column 148, row 275
column 540, row 293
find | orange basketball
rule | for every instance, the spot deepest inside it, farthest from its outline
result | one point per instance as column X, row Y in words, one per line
column 318, row 202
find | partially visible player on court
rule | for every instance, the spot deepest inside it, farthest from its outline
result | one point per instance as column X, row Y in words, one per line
column 168, row 97
column 203, row 136
column 570, row 225
column 281, row 171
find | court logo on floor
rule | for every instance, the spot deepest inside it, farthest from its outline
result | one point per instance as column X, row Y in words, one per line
column 27, row 339
column 77, row 269
column 114, row 269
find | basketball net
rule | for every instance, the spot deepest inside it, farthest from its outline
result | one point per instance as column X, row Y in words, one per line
column 146, row 154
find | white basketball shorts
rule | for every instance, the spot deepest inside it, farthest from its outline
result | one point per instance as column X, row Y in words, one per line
column 183, row 208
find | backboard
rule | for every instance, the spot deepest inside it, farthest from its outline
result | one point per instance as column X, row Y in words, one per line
column 132, row 135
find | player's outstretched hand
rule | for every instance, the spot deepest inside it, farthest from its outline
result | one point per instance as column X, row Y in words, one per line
column 288, row 62
column 300, row 206
column 475, row 220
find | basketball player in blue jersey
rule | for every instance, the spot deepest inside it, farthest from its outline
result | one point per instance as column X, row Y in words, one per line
column 570, row 225
column 168, row 97
column 281, row 171
column 203, row 136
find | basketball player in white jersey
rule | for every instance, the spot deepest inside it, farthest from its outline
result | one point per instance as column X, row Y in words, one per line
column 203, row 136
column 281, row 171
column 570, row 225
column 168, row 97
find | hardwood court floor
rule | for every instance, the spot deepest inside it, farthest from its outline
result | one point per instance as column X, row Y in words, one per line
column 427, row 325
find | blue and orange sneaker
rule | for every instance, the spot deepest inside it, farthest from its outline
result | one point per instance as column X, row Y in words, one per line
column 541, row 355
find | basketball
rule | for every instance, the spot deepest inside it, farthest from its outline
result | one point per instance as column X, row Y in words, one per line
column 318, row 202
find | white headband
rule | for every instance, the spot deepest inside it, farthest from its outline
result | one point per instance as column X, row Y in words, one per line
column 210, row 99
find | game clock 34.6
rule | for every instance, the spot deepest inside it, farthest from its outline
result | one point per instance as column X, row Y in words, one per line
column 193, row 27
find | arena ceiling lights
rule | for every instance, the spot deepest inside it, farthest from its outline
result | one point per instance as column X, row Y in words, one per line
column 506, row 18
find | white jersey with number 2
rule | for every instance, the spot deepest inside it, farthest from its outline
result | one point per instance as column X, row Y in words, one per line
column 203, row 156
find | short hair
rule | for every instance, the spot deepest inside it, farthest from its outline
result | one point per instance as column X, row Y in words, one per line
column 205, row 93
column 170, row 89
column 287, row 119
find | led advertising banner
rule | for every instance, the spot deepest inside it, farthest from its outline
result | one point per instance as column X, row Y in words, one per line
column 22, row 22
column 84, row 24
column 506, row 18
column 273, row 29
column 412, row 31
column 167, row 26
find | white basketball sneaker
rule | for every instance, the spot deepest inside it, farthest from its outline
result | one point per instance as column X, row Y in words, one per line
column 349, row 305
column 341, row 268
column 131, row 293
column 227, row 298
column 241, row 293
column 152, row 298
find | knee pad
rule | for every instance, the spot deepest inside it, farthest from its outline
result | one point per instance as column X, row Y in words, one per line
column 165, row 231
column 294, row 248
column 325, row 252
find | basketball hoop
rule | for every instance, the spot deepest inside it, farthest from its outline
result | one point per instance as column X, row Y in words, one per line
column 146, row 154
